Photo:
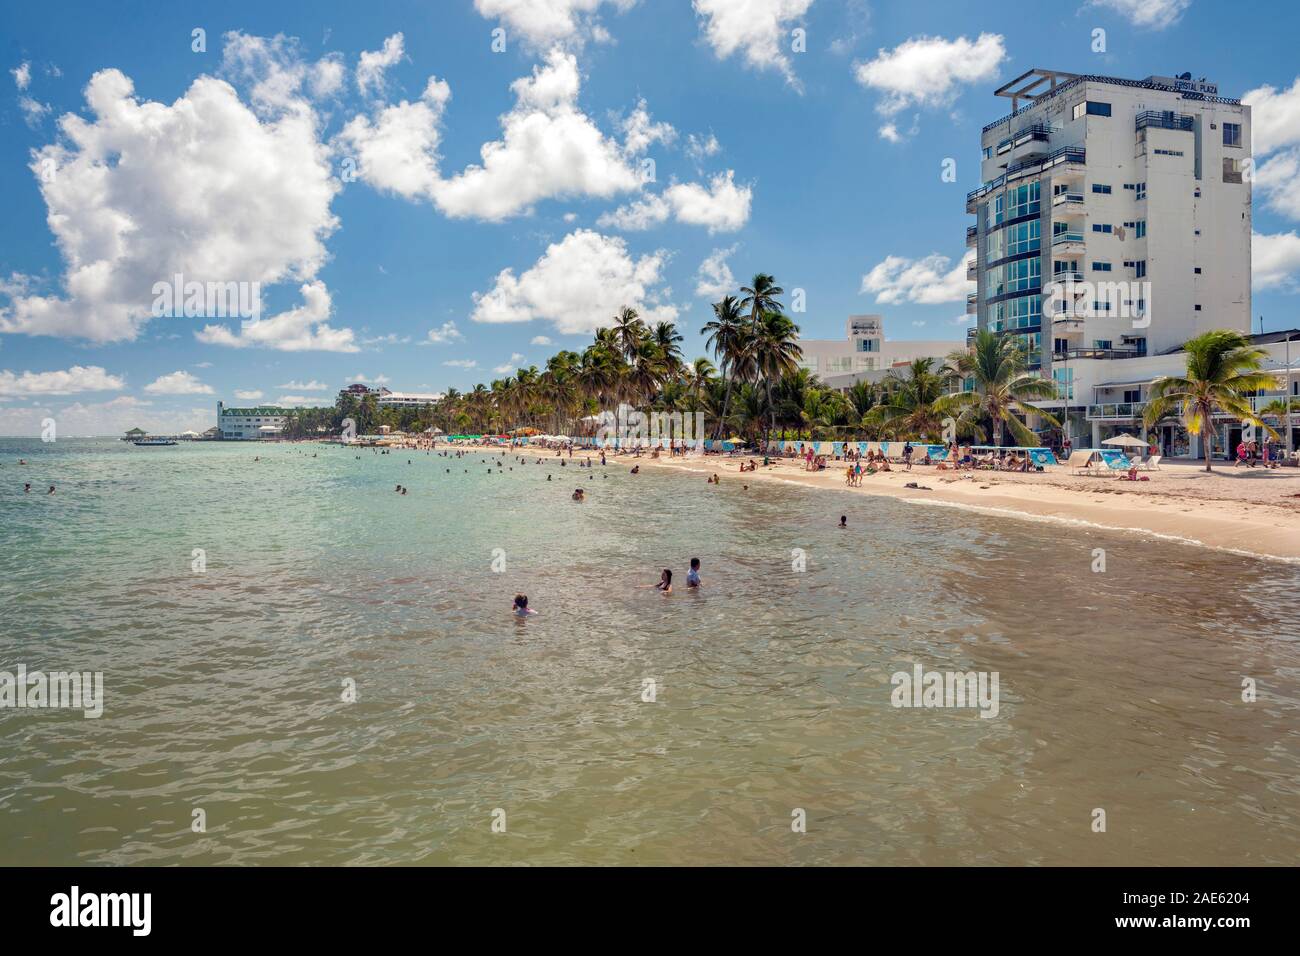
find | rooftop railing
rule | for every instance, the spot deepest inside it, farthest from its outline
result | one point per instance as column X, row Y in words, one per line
column 1165, row 119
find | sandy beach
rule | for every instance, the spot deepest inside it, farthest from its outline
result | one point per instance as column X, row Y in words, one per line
column 1250, row 511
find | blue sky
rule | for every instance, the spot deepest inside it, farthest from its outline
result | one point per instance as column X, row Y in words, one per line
column 406, row 196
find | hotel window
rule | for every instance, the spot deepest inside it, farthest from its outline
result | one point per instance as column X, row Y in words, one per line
column 994, row 246
column 1139, row 227
column 1025, row 274
column 1132, row 395
column 1197, row 308
column 1101, row 267
column 1197, row 270
column 1231, row 170
column 868, row 345
column 1023, row 237
column 1169, row 152
column 1232, row 134
column 840, row 363
column 1101, row 188
column 1023, row 200
column 1102, row 227
column 1064, row 378
column 1141, row 190
column 988, row 152
column 996, row 211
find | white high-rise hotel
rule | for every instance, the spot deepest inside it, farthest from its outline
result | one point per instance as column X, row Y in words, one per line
column 1113, row 224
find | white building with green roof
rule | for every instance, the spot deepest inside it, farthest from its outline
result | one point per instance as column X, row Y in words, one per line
column 250, row 424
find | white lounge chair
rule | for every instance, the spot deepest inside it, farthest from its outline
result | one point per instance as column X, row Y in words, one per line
column 1080, row 463
column 1152, row 463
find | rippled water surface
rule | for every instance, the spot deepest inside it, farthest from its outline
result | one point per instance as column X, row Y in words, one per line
column 1119, row 690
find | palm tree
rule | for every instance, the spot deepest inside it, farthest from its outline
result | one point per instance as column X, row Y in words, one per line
column 1003, row 386
column 1222, row 366
column 776, row 355
column 628, row 331
column 727, row 341
column 909, row 405
column 761, row 298
column 665, row 337
column 701, row 373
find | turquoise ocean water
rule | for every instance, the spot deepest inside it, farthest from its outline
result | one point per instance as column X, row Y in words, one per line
column 1119, row 690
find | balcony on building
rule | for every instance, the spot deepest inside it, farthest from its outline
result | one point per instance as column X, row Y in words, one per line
column 1068, row 203
column 1165, row 119
column 1028, row 144
column 1068, row 245
column 972, row 270
column 1068, row 160
column 972, row 303
column 1116, row 411
column 972, row 236
column 1073, row 355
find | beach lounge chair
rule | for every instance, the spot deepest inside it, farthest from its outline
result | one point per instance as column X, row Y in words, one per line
column 1116, row 461
column 1152, row 463
column 1080, row 462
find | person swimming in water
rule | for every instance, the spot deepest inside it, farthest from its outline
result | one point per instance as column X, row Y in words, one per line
column 579, row 494
column 844, row 521
column 693, row 575
column 636, row 469
column 665, row 581
column 521, row 608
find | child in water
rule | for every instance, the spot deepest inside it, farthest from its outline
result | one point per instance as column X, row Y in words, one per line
column 665, row 582
column 521, row 608
column 693, row 575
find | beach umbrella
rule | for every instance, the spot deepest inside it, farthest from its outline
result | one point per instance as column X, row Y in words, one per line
column 1126, row 440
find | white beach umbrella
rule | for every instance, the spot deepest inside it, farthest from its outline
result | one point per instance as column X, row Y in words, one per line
column 1126, row 440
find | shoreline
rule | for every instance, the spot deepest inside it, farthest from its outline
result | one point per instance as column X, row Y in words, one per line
column 1251, row 514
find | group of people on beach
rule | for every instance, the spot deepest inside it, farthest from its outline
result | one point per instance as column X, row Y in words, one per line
column 1252, row 453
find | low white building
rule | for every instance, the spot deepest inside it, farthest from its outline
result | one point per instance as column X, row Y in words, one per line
column 866, row 354
column 250, row 424
column 407, row 399
column 1111, row 395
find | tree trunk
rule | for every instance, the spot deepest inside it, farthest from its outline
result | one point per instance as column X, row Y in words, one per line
column 1208, row 445
column 726, row 403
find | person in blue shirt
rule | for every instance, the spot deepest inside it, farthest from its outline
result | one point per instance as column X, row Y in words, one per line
column 693, row 575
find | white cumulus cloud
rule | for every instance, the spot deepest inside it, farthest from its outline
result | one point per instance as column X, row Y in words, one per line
column 721, row 206
column 300, row 329
column 928, row 281
column 126, row 213
column 929, row 71
column 372, row 65
column 1275, row 262
column 578, row 284
column 714, row 278
column 543, row 23
column 1156, row 14
column 178, row 383
column 78, row 378
column 758, row 30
